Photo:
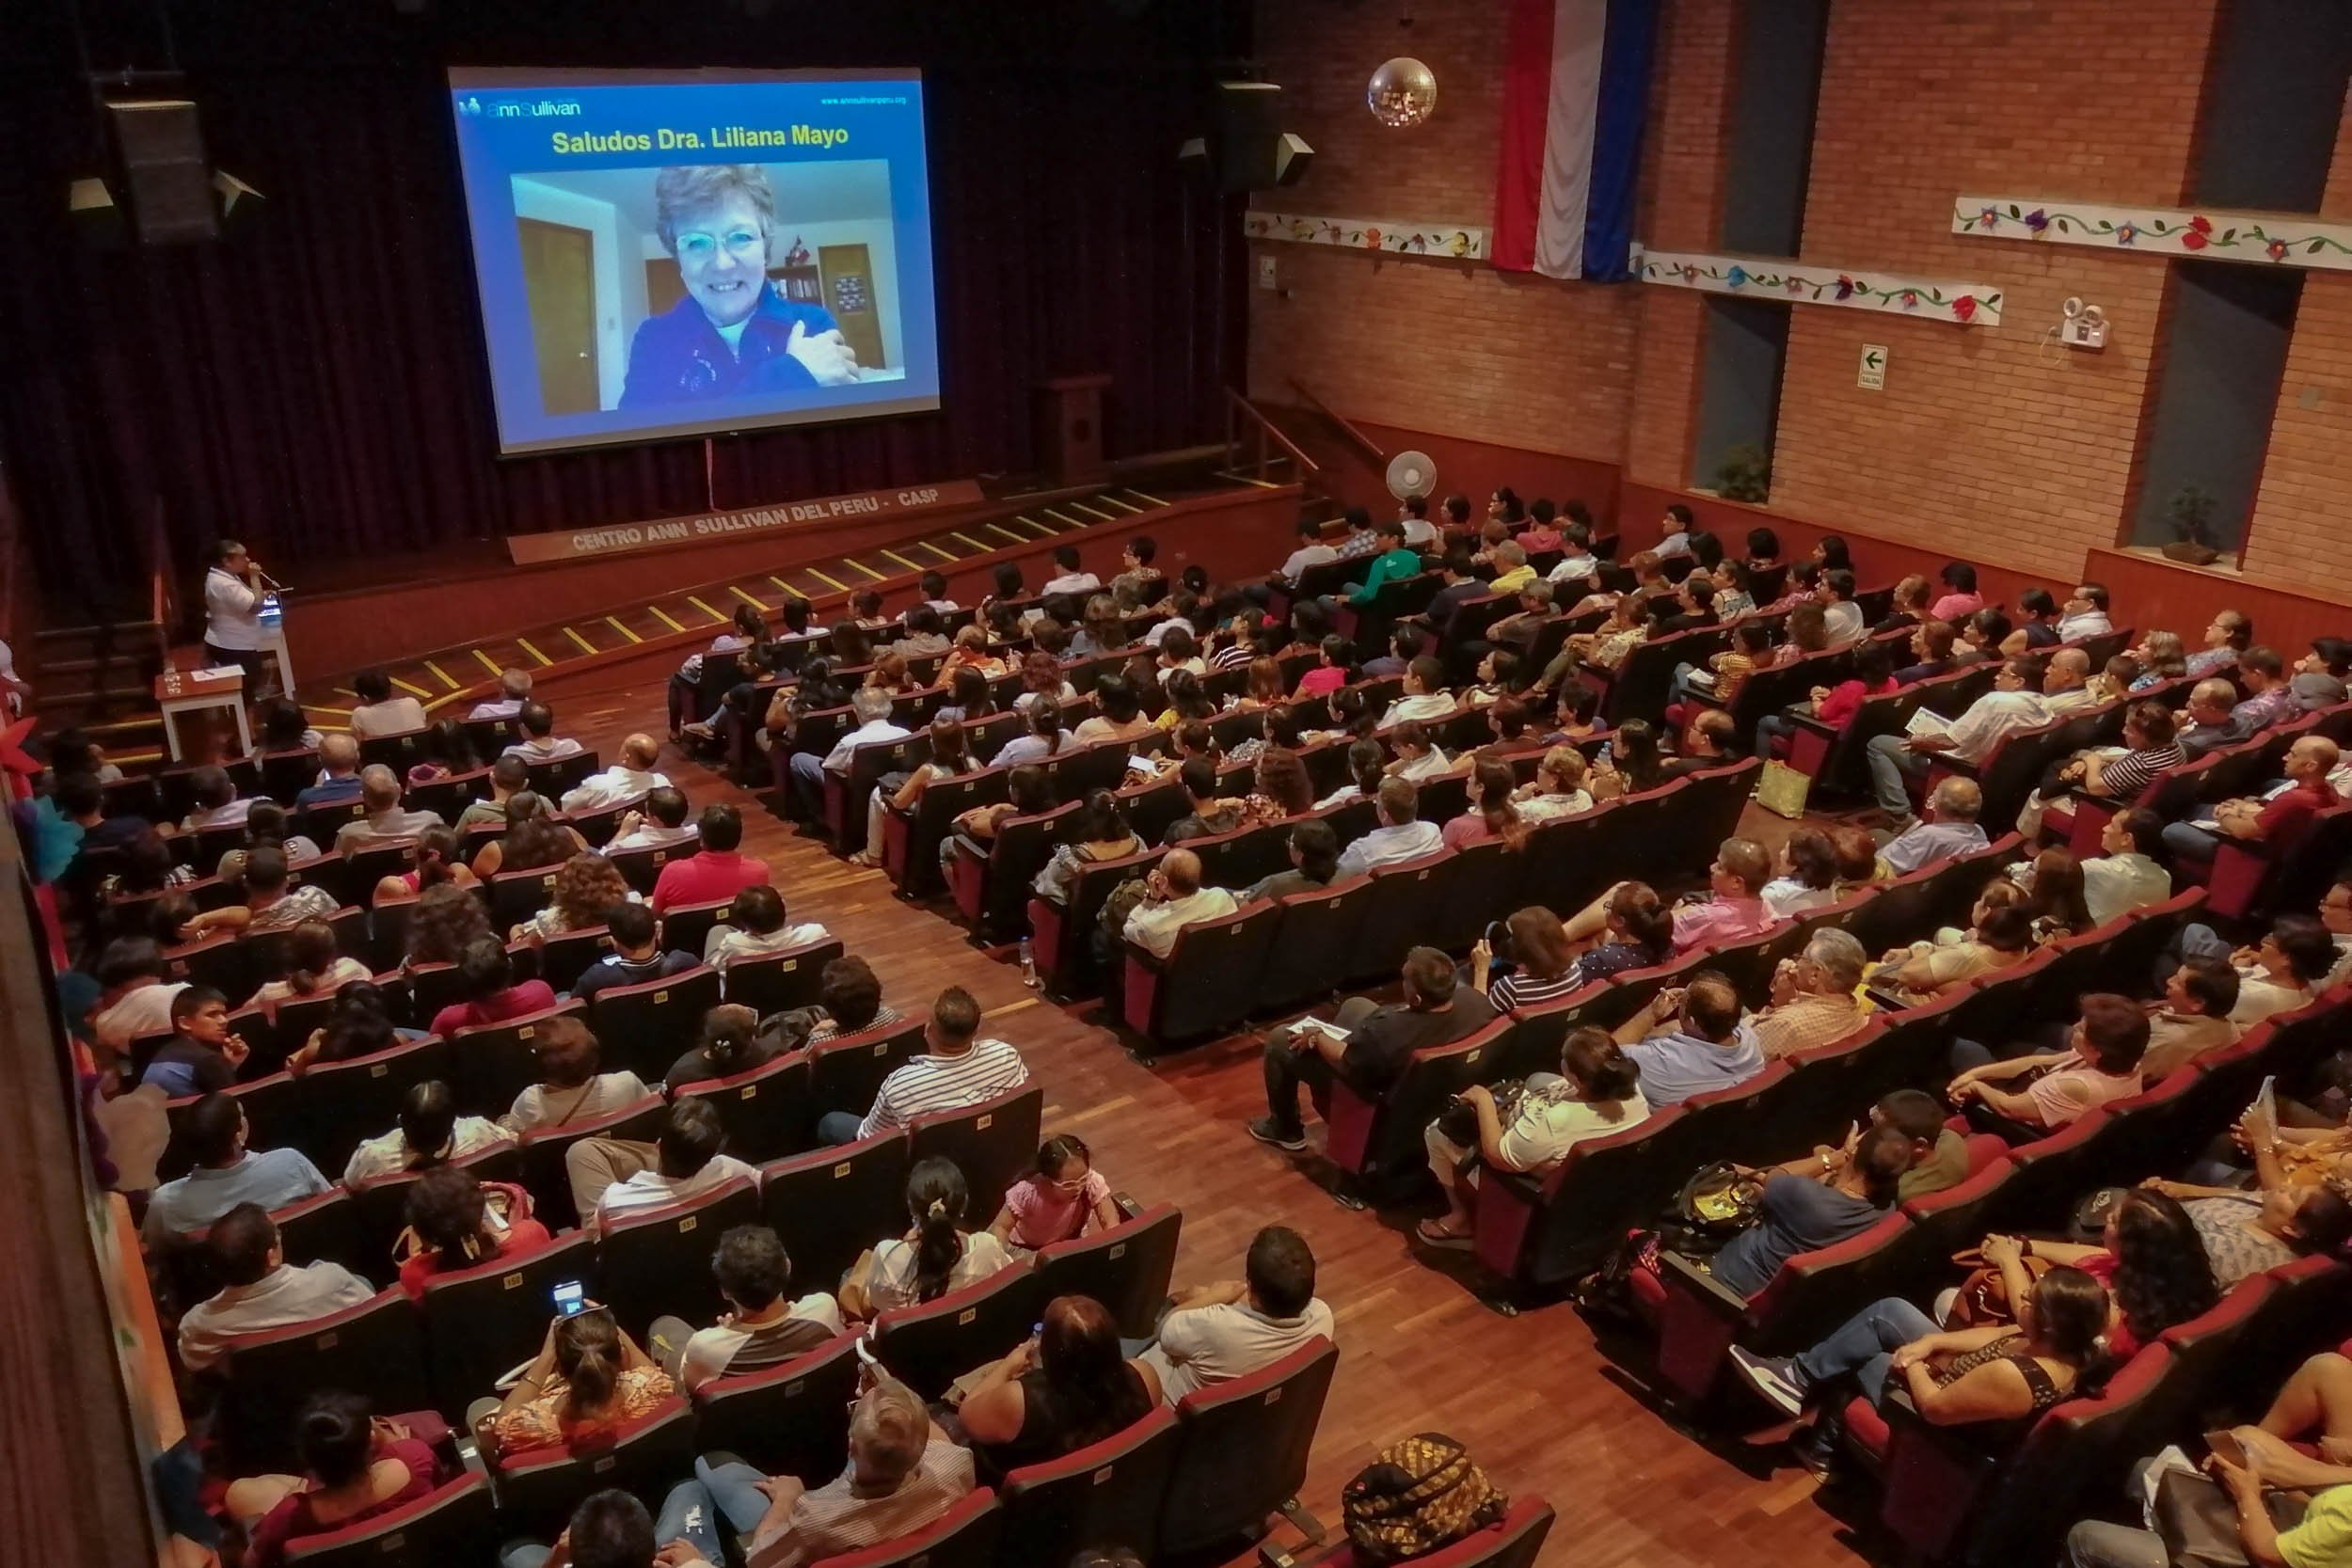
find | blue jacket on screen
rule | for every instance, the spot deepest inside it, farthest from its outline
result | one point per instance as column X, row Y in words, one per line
column 678, row 356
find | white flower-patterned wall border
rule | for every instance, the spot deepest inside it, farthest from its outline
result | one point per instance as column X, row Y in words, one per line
column 1803, row 283
column 1450, row 242
column 2279, row 239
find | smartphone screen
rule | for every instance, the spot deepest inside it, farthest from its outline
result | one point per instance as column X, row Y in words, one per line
column 570, row 1296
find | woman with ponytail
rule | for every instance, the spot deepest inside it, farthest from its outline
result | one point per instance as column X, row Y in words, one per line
column 355, row 1467
column 437, row 865
column 1492, row 815
column 1367, row 764
column 937, row 1255
column 730, row 1043
column 313, row 968
column 588, row 1381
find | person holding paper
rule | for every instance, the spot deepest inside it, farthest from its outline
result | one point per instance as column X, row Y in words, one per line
column 2016, row 702
column 733, row 334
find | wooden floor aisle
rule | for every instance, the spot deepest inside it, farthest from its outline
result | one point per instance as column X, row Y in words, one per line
column 1537, row 1403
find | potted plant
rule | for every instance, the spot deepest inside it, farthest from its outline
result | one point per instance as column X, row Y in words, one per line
column 2190, row 513
column 1745, row 473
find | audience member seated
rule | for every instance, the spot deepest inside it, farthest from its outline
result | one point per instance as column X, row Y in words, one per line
column 1068, row 1386
column 2245, row 1233
column 1216, row 1333
column 1314, row 855
column 660, row 824
column 2016, row 702
column 1096, row 831
column 509, row 777
column 939, row 1252
column 1173, row 898
column 359, row 1023
column 757, row 926
column 217, row 803
column 2270, row 694
column 588, row 1381
column 448, row 919
column 763, row 1326
column 1691, row 1039
column 627, row 778
column 638, row 952
column 1367, row 1045
column 431, row 1133
column 258, row 1289
column 1813, row 1002
column 1401, row 835
column 1636, row 932
column 2148, row 1257
column 314, row 969
column 486, row 975
column 379, row 712
column 135, row 996
column 1949, row 830
column 203, row 1055
column 684, row 1163
column 720, row 871
column 1542, row 965
column 456, row 1223
column 2001, row 938
column 1808, row 876
column 1044, row 738
column 2101, row 1063
column 386, row 819
column 2122, row 773
column 2279, row 817
column 1060, row 1197
column 339, row 774
column 226, row 1173
column 513, row 691
column 849, row 1000
column 951, row 757
column 587, row 888
column 570, row 1090
column 871, row 707
column 1418, row 754
column 2281, row 972
column 540, row 742
column 1817, row 1202
column 957, row 1068
column 2319, row 675
column 1557, row 790
column 2124, row 875
column 356, row 1467
column 1529, row 1126
column 270, row 903
column 730, row 1042
column 1425, row 694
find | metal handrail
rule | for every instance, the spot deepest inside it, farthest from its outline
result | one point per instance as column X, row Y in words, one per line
column 1265, row 428
column 1364, row 443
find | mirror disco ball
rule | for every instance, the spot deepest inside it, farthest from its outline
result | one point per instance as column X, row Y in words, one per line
column 1402, row 93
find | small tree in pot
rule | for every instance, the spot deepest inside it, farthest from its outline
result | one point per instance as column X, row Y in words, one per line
column 2190, row 513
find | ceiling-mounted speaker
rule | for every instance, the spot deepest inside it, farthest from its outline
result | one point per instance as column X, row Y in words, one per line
column 167, row 184
column 1246, row 149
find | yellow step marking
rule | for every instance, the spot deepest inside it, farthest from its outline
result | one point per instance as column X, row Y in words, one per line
column 524, row 643
column 785, row 586
column 1145, row 494
column 1123, row 506
column 974, row 543
column 878, row 577
column 738, row 591
column 910, row 566
column 1081, row 506
column 999, row 528
column 836, row 587
column 442, row 673
column 412, row 690
column 944, row 554
column 339, row 712
column 585, row 646
column 1059, row 518
column 616, row 626
column 1244, row 479
column 714, row 614
column 488, row 662
column 664, row 617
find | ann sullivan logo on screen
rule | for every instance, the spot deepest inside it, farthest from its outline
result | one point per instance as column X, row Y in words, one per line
column 674, row 532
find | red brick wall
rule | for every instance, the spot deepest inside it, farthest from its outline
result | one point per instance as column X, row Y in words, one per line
column 1459, row 349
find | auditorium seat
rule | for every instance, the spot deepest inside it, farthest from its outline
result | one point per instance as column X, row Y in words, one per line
column 828, row 1205
column 1062, row 931
column 479, row 1321
column 791, row 1419
column 993, row 1143
column 1316, row 941
column 846, row 795
column 447, row 1525
column 1241, row 1449
column 1738, row 1122
column 1397, row 914
column 648, row 1027
column 767, row 1111
column 1515, row 1541
column 1539, row 1233
column 963, row 1537
column 846, row 1071
column 1108, row 1493
column 1126, row 1268
column 448, row 796
column 1379, row 1144
column 686, row 927
column 563, row 958
column 374, row 1349
column 1207, row 983
column 380, row 1205
column 498, row 1061
column 559, row 776
column 991, row 886
column 597, row 824
column 658, row 1260
column 930, row 1344
column 342, row 1103
column 777, row 982
column 910, row 846
column 517, row 895
column 539, row 1491
column 642, row 868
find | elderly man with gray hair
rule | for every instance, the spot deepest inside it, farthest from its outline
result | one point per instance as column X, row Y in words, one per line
column 379, row 792
column 514, row 690
column 1812, row 996
column 1949, row 832
column 874, row 725
column 903, row 1473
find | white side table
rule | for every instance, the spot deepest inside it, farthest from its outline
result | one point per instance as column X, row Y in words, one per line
column 201, row 690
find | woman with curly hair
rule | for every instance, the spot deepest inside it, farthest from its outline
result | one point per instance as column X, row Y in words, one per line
column 585, row 888
column 2148, row 1257
column 1041, row 677
column 534, row 838
column 358, row 1024
column 1279, row 787
column 447, row 918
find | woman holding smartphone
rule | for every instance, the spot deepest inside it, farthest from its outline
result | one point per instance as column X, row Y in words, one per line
column 588, row 1381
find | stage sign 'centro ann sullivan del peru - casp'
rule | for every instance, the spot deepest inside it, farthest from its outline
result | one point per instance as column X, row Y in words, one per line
column 668, row 532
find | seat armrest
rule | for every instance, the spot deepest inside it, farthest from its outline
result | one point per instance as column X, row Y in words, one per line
column 1685, row 1274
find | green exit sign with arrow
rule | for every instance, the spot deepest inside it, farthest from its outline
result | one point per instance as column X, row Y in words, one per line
column 1872, row 375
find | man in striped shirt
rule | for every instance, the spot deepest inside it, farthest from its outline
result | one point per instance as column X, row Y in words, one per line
column 956, row 1069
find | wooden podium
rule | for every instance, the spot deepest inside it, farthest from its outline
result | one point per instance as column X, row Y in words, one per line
column 1069, row 428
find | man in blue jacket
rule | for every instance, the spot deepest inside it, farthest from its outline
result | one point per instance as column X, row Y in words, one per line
column 734, row 334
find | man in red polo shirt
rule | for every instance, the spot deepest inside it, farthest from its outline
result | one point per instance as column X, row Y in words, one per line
column 2281, row 818
column 717, row 873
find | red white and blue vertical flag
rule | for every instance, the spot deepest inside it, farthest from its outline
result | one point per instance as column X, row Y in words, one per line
column 1575, row 91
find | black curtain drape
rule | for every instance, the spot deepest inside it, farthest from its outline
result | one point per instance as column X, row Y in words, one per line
column 315, row 384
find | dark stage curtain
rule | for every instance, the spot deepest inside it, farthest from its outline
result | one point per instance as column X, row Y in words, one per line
column 316, row 385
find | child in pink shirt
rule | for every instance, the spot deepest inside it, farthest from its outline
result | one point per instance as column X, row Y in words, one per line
column 1055, row 1201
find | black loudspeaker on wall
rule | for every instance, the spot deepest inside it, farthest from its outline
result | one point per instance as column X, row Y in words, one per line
column 164, row 177
column 1248, row 150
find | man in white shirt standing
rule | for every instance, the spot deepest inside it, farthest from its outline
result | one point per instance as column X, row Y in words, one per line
column 957, row 1068
column 2086, row 614
column 2014, row 704
column 1401, row 836
column 1173, row 899
column 513, row 691
column 687, row 1163
column 626, row 780
column 233, row 617
column 1216, row 1333
column 874, row 725
column 258, row 1289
